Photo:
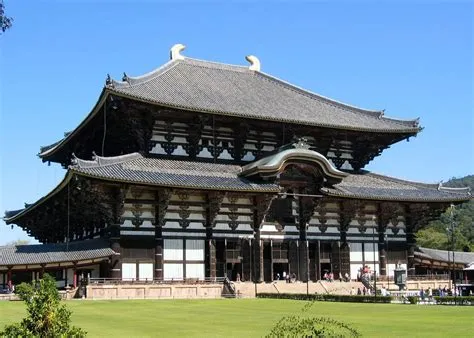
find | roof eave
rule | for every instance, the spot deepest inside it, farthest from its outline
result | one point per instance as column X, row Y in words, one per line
column 412, row 131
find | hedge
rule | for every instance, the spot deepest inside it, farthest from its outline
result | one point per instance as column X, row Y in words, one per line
column 455, row 300
column 327, row 298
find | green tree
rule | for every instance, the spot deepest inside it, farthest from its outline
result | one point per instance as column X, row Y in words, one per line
column 46, row 316
column 5, row 21
column 435, row 234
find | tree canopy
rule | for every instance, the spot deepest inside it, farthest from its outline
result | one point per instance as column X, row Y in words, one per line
column 435, row 235
column 46, row 316
column 5, row 21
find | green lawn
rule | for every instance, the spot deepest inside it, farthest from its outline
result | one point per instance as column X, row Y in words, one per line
column 252, row 317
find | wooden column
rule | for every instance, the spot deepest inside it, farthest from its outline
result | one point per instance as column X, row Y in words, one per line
column 74, row 276
column 9, row 277
column 214, row 201
column 210, row 255
column 306, row 206
column 411, row 243
column 42, row 271
column 261, row 205
column 162, row 199
column 115, row 261
column 246, row 260
column 414, row 217
column 347, row 212
column 382, row 252
column 257, row 257
column 318, row 260
column 158, row 253
column 303, row 260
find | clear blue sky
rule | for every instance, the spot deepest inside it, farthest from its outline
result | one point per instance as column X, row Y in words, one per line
column 414, row 60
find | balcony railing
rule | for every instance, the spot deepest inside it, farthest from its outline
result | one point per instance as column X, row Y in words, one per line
column 139, row 281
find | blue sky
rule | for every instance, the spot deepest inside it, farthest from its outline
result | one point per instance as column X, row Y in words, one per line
column 414, row 60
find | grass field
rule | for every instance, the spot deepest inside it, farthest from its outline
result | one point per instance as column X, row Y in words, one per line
column 252, row 317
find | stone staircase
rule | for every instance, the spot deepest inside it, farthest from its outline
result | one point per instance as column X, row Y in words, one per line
column 247, row 289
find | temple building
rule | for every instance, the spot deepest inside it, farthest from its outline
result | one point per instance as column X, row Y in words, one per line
column 199, row 170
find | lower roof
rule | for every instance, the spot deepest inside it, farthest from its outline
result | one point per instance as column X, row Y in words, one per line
column 460, row 257
column 367, row 185
column 54, row 253
column 136, row 169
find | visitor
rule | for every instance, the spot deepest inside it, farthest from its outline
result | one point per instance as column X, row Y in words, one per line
column 359, row 292
column 347, row 277
column 237, row 278
column 364, row 291
column 352, row 291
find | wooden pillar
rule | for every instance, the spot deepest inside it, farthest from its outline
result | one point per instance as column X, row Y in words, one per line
column 210, row 255
column 158, row 275
column 257, row 257
column 9, row 277
column 304, row 260
column 306, row 207
column 382, row 252
column 214, row 201
column 318, row 260
column 246, row 260
column 411, row 243
column 74, row 276
column 116, row 261
column 261, row 205
column 42, row 271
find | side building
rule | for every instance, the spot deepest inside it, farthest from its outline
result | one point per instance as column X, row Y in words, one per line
column 209, row 170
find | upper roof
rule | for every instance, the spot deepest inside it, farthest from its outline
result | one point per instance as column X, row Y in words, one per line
column 224, row 89
column 367, row 185
column 54, row 253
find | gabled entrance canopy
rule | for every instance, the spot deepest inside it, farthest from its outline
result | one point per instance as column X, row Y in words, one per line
column 275, row 164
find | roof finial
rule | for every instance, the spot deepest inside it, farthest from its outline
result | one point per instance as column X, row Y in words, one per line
column 175, row 52
column 254, row 62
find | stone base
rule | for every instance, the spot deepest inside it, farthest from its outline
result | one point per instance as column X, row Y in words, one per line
column 154, row 291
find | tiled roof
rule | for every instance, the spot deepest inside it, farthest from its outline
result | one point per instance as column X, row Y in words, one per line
column 216, row 88
column 444, row 256
column 54, row 253
column 373, row 186
column 179, row 174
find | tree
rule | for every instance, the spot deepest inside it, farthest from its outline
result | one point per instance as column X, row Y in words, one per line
column 435, row 235
column 5, row 21
column 46, row 316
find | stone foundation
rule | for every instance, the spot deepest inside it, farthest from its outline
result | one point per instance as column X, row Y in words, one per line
column 154, row 291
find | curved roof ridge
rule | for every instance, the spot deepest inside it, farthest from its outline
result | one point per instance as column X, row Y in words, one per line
column 394, row 179
column 136, row 80
column 454, row 189
column 221, row 65
column 309, row 93
column 103, row 161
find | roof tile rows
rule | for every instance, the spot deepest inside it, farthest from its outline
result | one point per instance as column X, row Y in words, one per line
column 374, row 186
column 180, row 174
column 235, row 90
column 54, row 253
column 446, row 256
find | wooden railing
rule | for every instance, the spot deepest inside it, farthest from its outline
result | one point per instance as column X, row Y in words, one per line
column 217, row 280
column 429, row 277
